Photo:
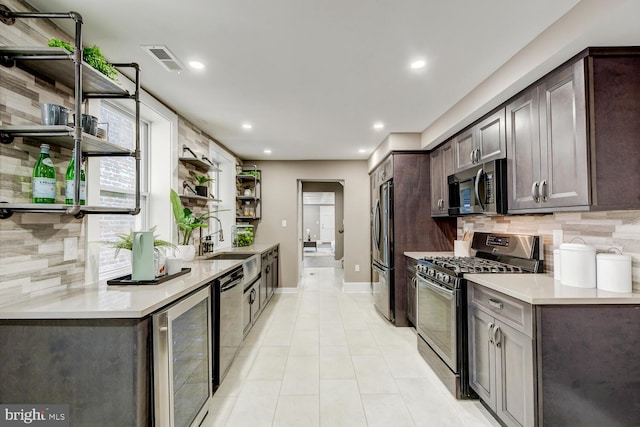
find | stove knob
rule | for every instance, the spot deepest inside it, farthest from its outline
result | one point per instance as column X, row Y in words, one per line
column 446, row 278
column 432, row 273
column 440, row 276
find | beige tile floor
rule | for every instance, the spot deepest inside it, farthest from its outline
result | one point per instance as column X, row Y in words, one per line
column 323, row 358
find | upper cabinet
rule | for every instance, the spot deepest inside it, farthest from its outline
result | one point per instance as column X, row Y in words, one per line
column 482, row 142
column 442, row 165
column 572, row 137
column 548, row 143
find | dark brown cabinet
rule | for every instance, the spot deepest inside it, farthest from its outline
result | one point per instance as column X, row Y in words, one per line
column 413, row 229
column 548, row 144
column 442, row 165
column 501, row 368
column 481, row 142
column 571, row 137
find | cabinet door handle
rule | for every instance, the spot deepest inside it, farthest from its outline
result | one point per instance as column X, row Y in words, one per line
column 495, row 304
column 472, row 156
column 535, row 191
column 497, row 336
column 477, row 150
column 544, row 190
column 490, row 331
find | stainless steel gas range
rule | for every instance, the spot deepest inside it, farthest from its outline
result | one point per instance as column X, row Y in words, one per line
column 442, row 308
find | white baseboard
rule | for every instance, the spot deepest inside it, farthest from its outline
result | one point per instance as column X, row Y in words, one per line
column 356, row 287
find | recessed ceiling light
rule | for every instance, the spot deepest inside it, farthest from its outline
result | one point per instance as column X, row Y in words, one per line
column 247, row 126
column 196, row 65
column 378, row 125
column 418, row 64
column 362, row 150
column 267, row 151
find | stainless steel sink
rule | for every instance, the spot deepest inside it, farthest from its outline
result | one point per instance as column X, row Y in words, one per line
column 230, row 255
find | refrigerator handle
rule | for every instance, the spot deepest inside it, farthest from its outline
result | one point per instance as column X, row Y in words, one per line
column 376, row 225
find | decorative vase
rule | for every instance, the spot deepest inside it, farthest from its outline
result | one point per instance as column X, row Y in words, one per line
column 187, row 252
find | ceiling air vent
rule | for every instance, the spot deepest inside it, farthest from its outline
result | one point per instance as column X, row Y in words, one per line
column 164, row 56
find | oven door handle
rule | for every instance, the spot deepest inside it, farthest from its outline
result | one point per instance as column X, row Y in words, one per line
column 448, row 293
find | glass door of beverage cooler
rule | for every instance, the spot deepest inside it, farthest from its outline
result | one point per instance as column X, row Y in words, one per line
column 183, row 361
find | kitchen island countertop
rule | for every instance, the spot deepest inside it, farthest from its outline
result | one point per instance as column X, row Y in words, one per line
column 542, row 289
column 126, row 301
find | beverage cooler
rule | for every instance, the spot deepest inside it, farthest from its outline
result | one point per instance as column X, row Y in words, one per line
column 182, row 359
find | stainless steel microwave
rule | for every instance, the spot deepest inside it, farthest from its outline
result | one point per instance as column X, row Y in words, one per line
column 481, row 189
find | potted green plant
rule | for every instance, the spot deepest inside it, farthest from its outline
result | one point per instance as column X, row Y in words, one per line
column 201, row 187
column 125, row 241
column 91, row 55
column 187, row 222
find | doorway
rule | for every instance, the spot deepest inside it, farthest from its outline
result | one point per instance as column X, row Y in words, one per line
column 321, row 227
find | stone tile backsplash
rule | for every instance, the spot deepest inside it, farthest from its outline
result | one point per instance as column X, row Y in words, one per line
column 602, row 229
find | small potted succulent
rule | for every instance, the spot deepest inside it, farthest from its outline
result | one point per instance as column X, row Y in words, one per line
column 201, row 187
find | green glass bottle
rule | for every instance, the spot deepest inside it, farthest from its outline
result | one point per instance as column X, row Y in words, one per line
column 70, row 182
column 44, row 178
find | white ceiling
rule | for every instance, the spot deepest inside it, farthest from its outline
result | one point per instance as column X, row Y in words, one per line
column 313, row 76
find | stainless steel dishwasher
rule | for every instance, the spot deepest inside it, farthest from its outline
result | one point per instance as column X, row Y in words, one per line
column 229, row 323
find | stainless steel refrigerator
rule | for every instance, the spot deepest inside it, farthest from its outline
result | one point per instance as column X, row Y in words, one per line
column 382, row 250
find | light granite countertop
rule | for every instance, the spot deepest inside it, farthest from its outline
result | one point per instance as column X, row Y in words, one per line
column 126, row 301
column 542, row 289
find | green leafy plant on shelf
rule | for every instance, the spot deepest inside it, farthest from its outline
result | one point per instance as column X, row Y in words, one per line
column 255, row 174
column 125, row 241
column 186, row 220
column 203, row 179
column 91, row 55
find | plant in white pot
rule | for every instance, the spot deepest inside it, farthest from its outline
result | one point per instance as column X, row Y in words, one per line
column 187, row 222
column 125, row 241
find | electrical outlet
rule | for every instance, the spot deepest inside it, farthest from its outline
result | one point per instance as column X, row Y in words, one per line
column 284, row 222
column 70, row 249
column 357, row 267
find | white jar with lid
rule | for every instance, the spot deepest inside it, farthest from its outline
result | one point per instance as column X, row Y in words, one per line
column 614, row 272
column 578, row 265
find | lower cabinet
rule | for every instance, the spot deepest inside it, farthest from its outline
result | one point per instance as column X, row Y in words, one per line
column 251, row 305
column 101, row 368
column 501, row 366
column 270, row 268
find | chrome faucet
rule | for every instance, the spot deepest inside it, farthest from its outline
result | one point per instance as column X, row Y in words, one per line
column 206, row 245
column 220, row 235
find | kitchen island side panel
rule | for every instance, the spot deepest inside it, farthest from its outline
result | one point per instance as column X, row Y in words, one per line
column 414, row 228
column 99, row 367
column 589, row 365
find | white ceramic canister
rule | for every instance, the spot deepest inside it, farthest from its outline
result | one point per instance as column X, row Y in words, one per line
column 614, row 272
column 578, row 265
column 556, row 264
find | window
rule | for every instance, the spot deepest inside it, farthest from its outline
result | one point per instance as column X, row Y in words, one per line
column 117, row 187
